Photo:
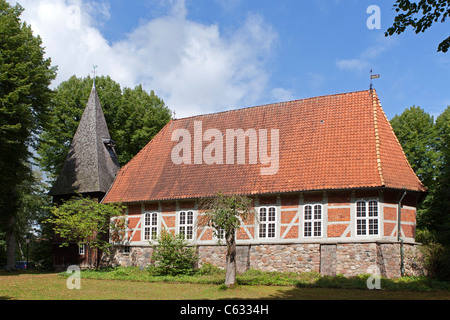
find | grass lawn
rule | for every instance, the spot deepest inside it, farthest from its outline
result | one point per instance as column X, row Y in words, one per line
column 52, row 286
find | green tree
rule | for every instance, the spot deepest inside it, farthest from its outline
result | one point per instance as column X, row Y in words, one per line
column 438, row 219
column 133, row 116
column 85, row 221
column 420, row 16
column 173, row 256
column 427, row 146
column 25, row 76
column 225, row 215
column 34, row 204
column 417, row 134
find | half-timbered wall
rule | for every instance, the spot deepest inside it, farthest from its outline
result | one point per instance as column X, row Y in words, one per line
column 295, row 218
column 328, row 232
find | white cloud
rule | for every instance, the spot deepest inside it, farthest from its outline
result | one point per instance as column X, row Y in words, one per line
column 192, row 66
column 352, row 64
column 364, row 60
column 281, row 94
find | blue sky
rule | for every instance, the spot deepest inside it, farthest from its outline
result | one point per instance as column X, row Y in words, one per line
column 205, row 56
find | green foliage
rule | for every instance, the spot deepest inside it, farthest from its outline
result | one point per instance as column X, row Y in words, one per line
column 415, row 129
column 85, row 221
column 437, row 261
column 427, row 146
column 173, row 256
column 133, row 116
column 225, row 213
column 425, row 143
column 25, row 77
column 420, row 16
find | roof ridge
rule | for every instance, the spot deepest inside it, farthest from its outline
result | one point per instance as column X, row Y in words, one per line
column 377, row 136
column 398, row 142
column 96, row 115
column 273, row 104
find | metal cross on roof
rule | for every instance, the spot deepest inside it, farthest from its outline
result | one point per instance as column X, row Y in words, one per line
column 95, row 72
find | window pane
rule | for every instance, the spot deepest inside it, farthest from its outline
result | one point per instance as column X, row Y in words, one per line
column 317, row 212
column 154, row 219
column 317, row 229
column 262, row 230
column 190, row 217
column 221, row 234
column 271, row 232
column 182, row 217
column 373, row 209
column 373, row 226
column 271, row 214
column 307, row 229
column 360, row 209
column 308, row 212
column 189, row 232
column 262, row 214
column 360, row 227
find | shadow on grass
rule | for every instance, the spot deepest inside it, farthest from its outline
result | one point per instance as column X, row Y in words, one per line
column 19, row 272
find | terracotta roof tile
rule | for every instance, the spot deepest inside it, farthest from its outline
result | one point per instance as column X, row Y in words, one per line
column 330, row 142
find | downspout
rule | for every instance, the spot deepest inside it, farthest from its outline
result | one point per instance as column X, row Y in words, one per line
column 399, row 238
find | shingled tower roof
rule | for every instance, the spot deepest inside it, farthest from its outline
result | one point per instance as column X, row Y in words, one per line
column 91, row 164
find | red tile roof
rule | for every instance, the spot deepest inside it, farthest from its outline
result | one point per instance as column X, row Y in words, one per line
column 339, row 141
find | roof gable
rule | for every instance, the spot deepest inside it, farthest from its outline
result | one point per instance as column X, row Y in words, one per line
column 90, row 165
column 330, row 142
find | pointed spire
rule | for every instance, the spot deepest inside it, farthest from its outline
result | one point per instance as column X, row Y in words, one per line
column 92, row 163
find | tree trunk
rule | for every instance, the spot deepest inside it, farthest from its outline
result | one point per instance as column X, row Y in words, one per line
column 230, row 278
column 10, row 244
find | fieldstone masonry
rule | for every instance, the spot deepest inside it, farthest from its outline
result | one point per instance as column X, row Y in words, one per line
column 349, row 259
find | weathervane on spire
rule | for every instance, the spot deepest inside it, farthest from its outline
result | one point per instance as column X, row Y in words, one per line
column 95, row 72
column 373, row 76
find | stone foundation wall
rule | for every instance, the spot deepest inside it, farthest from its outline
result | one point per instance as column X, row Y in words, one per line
column 349, row 259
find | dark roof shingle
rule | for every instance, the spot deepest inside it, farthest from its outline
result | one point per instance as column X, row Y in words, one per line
column 89, row 166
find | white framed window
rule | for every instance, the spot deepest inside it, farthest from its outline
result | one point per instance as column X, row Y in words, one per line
column 219, row 234
column 312, row 220
column 367, row 218
column 186, row 224
column 150, row 226
column 267, row 222
column 82, row 250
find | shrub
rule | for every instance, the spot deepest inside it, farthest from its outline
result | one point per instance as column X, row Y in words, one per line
column 173, row 256
column 437, row 261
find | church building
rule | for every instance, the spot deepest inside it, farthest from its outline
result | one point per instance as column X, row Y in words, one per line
column 332, row 189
